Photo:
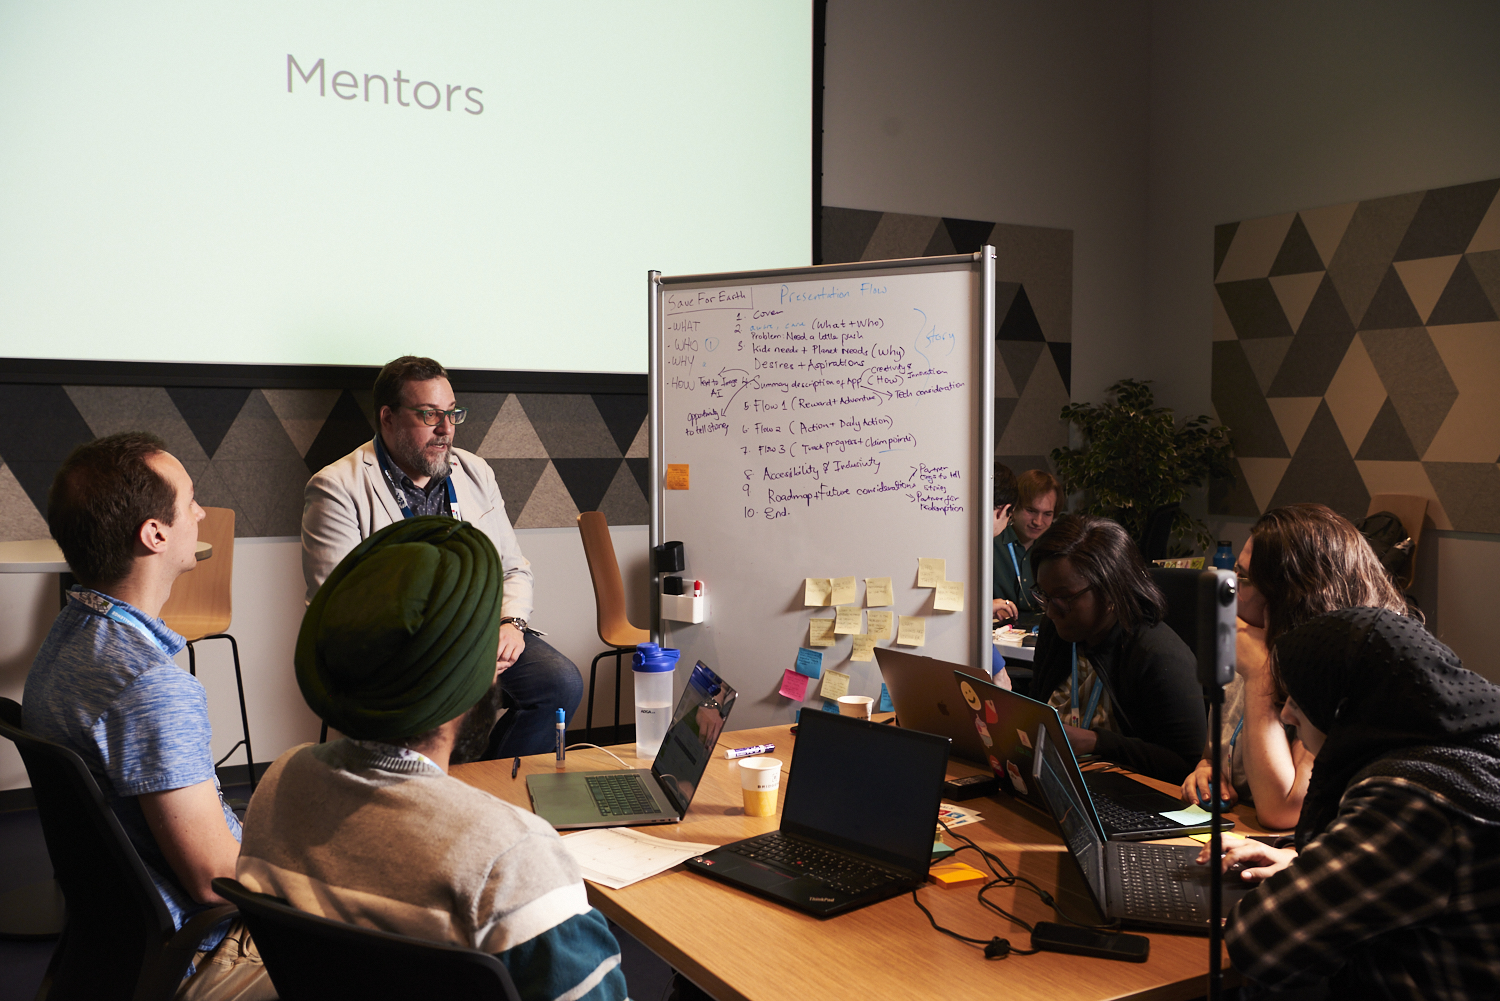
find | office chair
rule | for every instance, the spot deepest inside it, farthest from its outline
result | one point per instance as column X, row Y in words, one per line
column 1181, row 590
column 609, row 598
column 311, row 958
column 119, row 941
column 199, row 609
column 1157, row 534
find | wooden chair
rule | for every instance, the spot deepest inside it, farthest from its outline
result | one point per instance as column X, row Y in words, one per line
column 310, row 958
column 119, row 940
column 200, row 608
column 609, row 597
column 1412, row 511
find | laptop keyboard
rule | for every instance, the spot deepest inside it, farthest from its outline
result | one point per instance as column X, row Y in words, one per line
column 1156, row 885
column 842, row 872
column 1125, row 820
column 621, row 795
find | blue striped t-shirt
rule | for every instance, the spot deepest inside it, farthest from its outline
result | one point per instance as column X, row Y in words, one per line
column 104, row 685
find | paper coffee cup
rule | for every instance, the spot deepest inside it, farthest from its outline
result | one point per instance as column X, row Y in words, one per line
column 858, row 706
column 760, row 778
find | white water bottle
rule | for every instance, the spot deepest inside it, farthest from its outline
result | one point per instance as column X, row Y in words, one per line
column 653, row 667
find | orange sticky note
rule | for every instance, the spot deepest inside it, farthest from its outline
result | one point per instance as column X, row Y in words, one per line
column 951, row 874
column 677, row 476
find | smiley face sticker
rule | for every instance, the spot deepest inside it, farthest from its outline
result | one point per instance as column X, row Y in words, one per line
column 970, row 696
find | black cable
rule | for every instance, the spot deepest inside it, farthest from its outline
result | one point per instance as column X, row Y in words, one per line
column 1011, row 879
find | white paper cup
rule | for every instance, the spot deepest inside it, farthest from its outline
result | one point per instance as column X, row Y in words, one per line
column 760, row 778
column 858, row 706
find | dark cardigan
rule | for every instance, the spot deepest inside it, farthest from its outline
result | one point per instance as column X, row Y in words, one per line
column 1152, row 679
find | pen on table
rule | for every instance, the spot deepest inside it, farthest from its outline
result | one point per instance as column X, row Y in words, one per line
column 745, row 752
column 515, row 767
column 562, row 736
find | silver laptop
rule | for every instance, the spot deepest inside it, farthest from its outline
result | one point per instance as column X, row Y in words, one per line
column 1141, row 885
column 658, row 795
column 926, row 698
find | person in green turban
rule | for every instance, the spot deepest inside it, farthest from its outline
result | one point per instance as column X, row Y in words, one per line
column 397, row 652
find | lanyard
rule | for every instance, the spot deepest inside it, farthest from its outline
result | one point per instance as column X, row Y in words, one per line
column 1093, row 696
column 124, row 618
column 1237, row 728
column 400, row 495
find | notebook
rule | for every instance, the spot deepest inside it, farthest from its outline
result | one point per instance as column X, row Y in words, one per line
column 925, row 699
column 1122, row 808
column 658, row 795
column 857, row 822
column 1141, row 885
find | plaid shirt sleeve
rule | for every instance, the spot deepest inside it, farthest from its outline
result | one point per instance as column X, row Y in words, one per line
column 1389, row 861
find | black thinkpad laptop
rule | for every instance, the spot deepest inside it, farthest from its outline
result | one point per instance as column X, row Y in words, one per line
column 659, row 795
column 858, row 821
column 1122, row 808
column 1141, row 885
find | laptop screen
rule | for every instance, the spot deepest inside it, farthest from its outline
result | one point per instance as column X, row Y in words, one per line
column 866, row 787
column 696, row 726
column 1073, row 818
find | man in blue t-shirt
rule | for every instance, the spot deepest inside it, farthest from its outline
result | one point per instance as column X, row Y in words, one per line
column 104, row 684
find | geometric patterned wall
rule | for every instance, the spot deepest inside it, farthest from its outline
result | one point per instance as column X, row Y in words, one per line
column 1357, row 351
column 1033, row 311
column 253, row 450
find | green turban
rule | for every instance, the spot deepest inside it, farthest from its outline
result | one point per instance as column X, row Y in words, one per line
column 402, row 636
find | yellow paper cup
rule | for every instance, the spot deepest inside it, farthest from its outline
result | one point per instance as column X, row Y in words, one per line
column 760, row 778
column 858, row 706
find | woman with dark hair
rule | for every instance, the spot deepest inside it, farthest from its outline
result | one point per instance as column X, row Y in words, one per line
column 1300, row 561
column 1125, row 684
column 1393, row 890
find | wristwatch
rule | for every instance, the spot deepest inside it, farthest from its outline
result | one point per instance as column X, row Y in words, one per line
column 516, row 621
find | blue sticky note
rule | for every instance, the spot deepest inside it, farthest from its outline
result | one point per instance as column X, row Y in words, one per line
column 810, row 662
column 885, row 702
column 830, row 707
column 796, row 715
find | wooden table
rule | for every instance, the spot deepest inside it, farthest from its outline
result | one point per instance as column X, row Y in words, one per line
column 739, row 947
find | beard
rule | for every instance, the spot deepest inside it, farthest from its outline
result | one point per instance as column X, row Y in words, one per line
column 474, row 733
column 437, row 466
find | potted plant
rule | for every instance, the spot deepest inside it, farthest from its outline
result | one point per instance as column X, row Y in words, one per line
column 1136, row 460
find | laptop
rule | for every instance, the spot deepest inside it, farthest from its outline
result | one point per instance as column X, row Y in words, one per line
column 658, row 795
column 1123, row 809
column 1140, row 885
column 923, row 695
column 857, row 823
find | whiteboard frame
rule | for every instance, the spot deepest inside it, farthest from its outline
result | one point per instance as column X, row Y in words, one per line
column 982, row 262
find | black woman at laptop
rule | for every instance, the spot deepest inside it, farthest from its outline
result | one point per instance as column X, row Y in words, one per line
column 1125, row 685
column 1394, row 889
column 1300, row 562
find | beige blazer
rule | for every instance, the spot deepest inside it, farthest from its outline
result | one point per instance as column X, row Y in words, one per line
column 348, row 501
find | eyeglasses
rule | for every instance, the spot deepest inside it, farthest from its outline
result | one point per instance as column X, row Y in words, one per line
column 1062, row 601
column 1242, row 577
column 432, row 418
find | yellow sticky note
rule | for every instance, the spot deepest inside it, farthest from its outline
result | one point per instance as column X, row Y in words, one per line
column 844, row 591
column 878, row 592
column 949, row 596
column 931, row 572
column 913, row 631
column 835, row 684
column 677, row 476
column 816, row 591
column 864, row 647
column 952, row 873
column 850, row 620
column 880, row 625
column 820, row 632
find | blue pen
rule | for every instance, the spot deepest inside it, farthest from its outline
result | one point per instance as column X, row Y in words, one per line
column 562, row 736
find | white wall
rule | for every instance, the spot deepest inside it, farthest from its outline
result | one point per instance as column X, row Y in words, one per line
column 268, row 605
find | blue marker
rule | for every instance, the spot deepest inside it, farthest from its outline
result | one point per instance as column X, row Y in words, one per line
column 562, row 736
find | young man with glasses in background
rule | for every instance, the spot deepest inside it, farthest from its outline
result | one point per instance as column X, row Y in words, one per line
column 411, row 468
column 1036, row 495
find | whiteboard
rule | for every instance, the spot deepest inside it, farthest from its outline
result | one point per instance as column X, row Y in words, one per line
column 834, row 421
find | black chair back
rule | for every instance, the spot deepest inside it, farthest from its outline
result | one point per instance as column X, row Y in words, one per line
column 1181, row 590
column 311, row 958
column 118, row 939
column 1158, row 532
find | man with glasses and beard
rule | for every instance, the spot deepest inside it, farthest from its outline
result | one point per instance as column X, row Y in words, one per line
column 398, row 652
column 410, row 469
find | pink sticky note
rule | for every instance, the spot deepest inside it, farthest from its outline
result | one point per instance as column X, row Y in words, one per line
column 794, row 685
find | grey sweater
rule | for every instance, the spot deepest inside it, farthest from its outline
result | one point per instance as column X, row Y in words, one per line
column 386, row 839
